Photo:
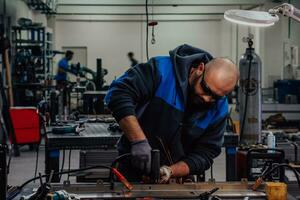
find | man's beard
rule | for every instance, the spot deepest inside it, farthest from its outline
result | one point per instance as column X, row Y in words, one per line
column 196, row 103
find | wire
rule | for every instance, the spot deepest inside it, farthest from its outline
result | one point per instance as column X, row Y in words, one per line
column 9, row 158
column 268, row 172
column 119, row 158
column 147, row 30
column 36, row 160
column 113, row 164
column 69, row 164
column 79, row 170
column 246, row 99
column 72, row 171
column 65, row 172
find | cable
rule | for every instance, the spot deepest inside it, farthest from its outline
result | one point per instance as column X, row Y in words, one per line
column 63, row 163
column 65, row 172
column 147, row 31
column 69, row 164
column 119, row 158
column 268, row 172
column 247, row 94
column 113, row 164
column 72, row 171
column 36, row 160
column 112, row 170
column 9, row 158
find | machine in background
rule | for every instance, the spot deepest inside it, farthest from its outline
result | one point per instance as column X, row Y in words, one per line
column 287, row 91
column 88, row 93
column 253, row 162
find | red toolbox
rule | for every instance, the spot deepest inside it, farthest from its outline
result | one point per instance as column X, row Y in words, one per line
column 26, row 125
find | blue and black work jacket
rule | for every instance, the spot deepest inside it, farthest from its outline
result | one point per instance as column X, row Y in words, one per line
column 156, row 92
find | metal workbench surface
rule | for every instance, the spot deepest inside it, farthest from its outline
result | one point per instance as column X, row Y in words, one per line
column 227, row 190
column 95, row 135
column 158, row 191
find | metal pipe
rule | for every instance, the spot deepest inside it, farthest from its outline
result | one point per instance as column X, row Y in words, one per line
column 156, row 5
column 134, row 14
column 175, row 20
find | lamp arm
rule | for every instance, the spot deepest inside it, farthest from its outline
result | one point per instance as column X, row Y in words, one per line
column 287, row 10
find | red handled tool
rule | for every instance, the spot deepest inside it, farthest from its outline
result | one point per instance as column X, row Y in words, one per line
column 122, row 178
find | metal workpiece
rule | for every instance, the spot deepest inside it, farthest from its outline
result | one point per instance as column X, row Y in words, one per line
column 229, row 190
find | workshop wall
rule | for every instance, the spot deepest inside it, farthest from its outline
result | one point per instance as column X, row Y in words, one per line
column 110, row 37
column 110, row 32
column 111, row 41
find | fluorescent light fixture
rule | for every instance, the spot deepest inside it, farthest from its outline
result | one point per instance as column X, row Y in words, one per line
column 251, row 18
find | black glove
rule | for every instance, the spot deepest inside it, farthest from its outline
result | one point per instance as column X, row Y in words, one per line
column 141, row 155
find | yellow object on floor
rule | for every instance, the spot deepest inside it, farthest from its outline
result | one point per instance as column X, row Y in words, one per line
column 276, row 191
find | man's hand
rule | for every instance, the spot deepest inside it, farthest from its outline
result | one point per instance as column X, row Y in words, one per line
column 165, row 174
column 141, row 155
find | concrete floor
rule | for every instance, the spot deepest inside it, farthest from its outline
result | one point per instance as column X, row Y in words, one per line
column 22, row 168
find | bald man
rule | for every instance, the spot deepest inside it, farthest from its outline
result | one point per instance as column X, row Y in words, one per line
column 176, row 104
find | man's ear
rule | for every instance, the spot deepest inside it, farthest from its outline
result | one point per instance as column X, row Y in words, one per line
column 200, row 68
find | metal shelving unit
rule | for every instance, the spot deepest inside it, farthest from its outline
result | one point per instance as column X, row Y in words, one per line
column 45, row 6
column 33, row 61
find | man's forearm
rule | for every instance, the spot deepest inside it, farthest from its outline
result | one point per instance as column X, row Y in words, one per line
column 180, row 169
column 132, row 128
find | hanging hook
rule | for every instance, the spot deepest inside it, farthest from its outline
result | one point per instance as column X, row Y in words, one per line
column 152, row 24
column 153, row 36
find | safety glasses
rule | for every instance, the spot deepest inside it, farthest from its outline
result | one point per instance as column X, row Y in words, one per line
column 207, row 90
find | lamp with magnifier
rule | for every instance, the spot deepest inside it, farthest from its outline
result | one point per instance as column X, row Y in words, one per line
column 250, row 68
column 262, row 18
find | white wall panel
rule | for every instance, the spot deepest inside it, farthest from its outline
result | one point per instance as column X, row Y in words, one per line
column 112, row 41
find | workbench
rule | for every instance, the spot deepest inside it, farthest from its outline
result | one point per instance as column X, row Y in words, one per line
column 227, row 190
column 95, row 136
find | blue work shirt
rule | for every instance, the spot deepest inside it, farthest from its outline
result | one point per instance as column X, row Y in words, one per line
column 63, row 64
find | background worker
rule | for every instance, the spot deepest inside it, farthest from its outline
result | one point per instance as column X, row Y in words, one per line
column 62, row 78
column 132, row 60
